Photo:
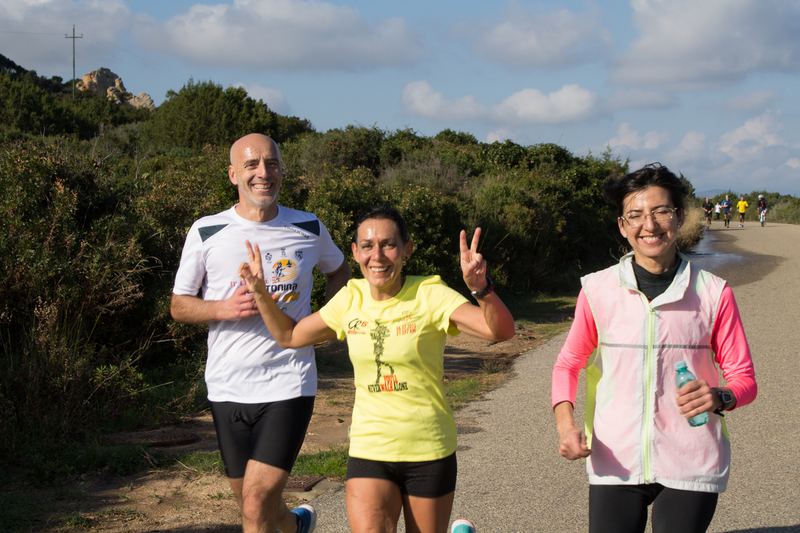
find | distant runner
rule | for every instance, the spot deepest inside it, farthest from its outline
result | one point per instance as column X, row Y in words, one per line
column 717, row 209
column 742, row 205
column 708, row 207
column 726, row 210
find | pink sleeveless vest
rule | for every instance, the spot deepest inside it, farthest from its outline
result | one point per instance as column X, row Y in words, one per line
column 636, row 433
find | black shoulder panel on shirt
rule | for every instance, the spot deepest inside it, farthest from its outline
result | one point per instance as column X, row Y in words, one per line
column 311, row 226
column 209, row 231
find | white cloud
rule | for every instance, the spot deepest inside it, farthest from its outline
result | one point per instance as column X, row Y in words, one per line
column 498, row 135
column 793, row 162
column 749, row 141
column 653, row 140
column 273, row 97
column 35, row 29
column 686, row 44
column 750, row 102
column 626, row 136
column 694, row 141
column 420, row 98
column 282, row 34
column 537, row 39
column 693, row 155
column 571, row 103
column 630, row 138
column 639, row 99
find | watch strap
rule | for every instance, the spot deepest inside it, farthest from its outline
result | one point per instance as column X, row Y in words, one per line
column 726, row 398
column 487, row 290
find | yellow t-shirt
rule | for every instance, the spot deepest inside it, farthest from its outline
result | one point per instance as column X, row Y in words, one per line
column 742, row 205
column 396, row 347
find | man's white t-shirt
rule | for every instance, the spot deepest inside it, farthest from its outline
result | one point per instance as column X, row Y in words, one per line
column 245, row 364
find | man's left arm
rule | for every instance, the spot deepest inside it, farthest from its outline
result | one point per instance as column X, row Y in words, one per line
column 337, row 279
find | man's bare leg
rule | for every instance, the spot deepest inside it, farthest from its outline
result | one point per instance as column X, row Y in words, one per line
column 260, row 497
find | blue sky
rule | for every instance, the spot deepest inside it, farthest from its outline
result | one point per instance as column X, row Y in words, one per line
column 708, row 88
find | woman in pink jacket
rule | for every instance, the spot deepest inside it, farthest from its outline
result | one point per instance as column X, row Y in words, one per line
column 633, row 322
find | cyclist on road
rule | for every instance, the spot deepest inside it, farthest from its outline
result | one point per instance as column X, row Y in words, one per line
column 742, row 205
column 762, row 208
column 708, row 207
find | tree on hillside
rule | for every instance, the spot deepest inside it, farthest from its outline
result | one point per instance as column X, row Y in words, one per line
column 457, row 138
column 205, row 113
column 27, row 108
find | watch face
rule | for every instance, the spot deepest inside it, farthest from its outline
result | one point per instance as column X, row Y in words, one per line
column 726, row 398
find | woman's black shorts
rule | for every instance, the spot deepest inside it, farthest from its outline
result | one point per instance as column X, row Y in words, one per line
column 425, row 479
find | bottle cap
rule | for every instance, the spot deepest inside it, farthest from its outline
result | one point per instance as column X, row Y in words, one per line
column 680, row 365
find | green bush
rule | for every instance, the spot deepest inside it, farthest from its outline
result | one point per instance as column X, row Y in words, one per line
column 205, row 113
column 72, row 271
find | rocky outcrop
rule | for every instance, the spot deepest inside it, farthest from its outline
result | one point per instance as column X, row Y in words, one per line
column 104, row 82
column 142, row 100
column 100, row 81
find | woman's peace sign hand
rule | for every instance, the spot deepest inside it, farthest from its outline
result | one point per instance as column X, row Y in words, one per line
column 252, row 273
column 473, row 266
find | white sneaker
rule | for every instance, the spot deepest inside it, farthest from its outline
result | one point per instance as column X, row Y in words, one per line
column 306, row 518
column 463, row 526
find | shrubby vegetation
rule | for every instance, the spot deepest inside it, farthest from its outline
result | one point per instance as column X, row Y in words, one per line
column 204, row 113
column 98, row 198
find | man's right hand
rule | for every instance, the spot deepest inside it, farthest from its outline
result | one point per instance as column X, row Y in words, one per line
column 240, row 305
column 195, row 310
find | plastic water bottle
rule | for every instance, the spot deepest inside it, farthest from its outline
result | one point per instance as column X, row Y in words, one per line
column 683, row 377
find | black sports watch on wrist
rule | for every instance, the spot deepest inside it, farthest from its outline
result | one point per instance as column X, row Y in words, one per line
column 726, row 398
column 486, row 291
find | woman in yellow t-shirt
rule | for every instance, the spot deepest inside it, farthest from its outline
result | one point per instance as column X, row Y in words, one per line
column 403, row 437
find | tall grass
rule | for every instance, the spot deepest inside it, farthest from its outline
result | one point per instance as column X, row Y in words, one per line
column 692, row 229
column 786, row 211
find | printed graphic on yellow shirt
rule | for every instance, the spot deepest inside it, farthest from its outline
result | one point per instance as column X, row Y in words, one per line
column 384, row 382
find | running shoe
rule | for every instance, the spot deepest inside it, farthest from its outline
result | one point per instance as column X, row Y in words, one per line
column 306, row 518
column 463, row 526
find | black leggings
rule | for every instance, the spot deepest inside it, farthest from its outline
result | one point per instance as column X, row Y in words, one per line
column 623, row 509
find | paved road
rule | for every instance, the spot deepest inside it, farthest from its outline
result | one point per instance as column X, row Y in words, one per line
column 511, row 478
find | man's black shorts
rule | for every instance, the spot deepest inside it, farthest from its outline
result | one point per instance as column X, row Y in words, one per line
column 270, row 433
column 425, row 479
